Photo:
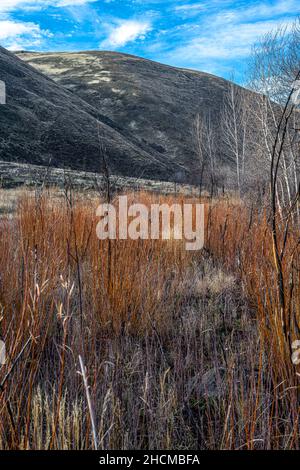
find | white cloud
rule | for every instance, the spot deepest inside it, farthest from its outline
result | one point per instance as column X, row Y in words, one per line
column 225, row 34
column 258, row 10
column 233, row 41
column 126, row 31
column 73, row 3
column 10, row 5
column 264, row 10
column 18, row 35
column 190, row 6
column 13, row 29
column 6, row 5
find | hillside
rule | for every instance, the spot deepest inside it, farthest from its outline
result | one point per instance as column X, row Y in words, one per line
column 151, row 104
column 68, row 110
column 45, row 124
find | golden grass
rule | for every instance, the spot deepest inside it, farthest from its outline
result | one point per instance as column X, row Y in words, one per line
column 183, row 349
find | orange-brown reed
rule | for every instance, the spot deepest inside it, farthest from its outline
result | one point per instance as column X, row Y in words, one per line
column 72, row 294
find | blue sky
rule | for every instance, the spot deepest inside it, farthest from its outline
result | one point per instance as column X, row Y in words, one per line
column 214, row 36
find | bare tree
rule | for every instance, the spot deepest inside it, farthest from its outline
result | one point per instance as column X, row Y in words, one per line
column 234, row 129
column 212, row 173
column 273, row 72
column 279, row 249
column 275, row 62
column 209, row 152
column 199, row 131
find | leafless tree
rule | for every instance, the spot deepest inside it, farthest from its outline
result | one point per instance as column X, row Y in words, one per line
column 234, row 129
column 277, row 155
column 273, row 75
column 206, row 148
column 199, row 131
column 275, row 62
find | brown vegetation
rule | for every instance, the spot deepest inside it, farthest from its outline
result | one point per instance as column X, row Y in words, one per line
column 182, row 350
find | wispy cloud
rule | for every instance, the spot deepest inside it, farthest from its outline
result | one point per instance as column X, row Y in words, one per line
column 124, row 32
column 19, row 35
column 10, row 5
column 12, row 29
column 210, row 35
column 230, row 41
column 73, row 3
column 222, row 34
column 190, row 6
column 16, row 34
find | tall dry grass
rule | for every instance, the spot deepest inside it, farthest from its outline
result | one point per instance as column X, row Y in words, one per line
column 182, row 350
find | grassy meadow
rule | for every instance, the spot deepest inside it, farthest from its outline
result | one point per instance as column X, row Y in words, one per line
column 182, row 350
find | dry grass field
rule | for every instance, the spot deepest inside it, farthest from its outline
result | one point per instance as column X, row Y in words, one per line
column 183, row 350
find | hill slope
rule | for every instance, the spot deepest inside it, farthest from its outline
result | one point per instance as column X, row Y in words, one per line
column 43, row 123
column 150, row 103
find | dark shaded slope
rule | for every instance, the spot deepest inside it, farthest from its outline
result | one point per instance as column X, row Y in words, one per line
column 43, row 123
column 153, row 103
